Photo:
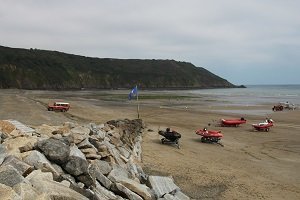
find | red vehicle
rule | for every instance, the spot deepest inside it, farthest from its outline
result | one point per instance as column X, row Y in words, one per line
column 265, row 126
column 59, row 106
column 233, row 122
column 210, row 136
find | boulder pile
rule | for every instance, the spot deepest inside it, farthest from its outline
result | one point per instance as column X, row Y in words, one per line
column 72, row 161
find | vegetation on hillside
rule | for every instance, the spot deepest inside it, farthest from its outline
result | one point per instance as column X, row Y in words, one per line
column 40, row 69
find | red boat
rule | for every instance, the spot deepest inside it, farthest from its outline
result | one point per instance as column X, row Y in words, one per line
column 209, row 136
column 233, row 122
column 263, row 126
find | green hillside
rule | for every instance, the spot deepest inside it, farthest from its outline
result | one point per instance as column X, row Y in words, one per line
column 40, row 69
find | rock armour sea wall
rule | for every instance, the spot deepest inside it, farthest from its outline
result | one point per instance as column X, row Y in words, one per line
column 94, row 161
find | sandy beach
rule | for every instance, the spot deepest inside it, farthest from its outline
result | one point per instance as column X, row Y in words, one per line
column 251, row 165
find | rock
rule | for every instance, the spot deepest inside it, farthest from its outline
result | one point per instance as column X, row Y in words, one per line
column 93, row 156
column 45, row 130
column 85, row 192
column 54, row 150
column 115, row 153
column 81, row 130
column 39, row 161
column 117, row 174
column 13, row 144
column 23, row 168
column 120, row 189
column 85, row 144
column 87, row 180
column 7, row 193
column 162, row 185
column 103, row 192
column 43, row 184
column 26, row 191
column 95, row 172
column 89, row 151
column 114, row 137
column 77, row 163
column 125, row 152
column 3, row 153
column 77, row 138
column 10, row 176
column 29, row 146
column 138, row 188
column 103, row 166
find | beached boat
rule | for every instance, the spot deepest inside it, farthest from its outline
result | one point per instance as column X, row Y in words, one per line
column 210, row 136
column 233, row 122
column 263, row 126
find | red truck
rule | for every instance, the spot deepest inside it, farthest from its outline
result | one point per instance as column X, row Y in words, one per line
column 59, row 106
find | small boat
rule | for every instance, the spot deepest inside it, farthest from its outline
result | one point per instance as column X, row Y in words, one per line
column 233, row 122
column 210, row 136
column 263, row 126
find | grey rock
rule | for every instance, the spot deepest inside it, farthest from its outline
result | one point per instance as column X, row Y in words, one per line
column 43, row 184
column 124, row 151
column 125, row 192
column 104, row 167
column 117, row 174
column 87, row 180
column 85, row 144
column 85, row 192
column 162, row 185
column 95, row 172
column 103, row 192
column 55, row 150
column 120, row 175
column 39, row 161
column 3, row 153
column 140, row 189
column 10, row 176
column 76, row 164
column 23, row 168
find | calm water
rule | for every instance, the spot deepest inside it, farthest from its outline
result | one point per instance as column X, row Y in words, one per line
column 254, row 94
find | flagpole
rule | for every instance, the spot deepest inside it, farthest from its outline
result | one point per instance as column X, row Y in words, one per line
column 138, row 105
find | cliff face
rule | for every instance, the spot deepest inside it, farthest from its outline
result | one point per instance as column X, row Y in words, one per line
column 40, row 69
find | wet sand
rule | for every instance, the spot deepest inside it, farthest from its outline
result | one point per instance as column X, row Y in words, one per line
column 251, row 165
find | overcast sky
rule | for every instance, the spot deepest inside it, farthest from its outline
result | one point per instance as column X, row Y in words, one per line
column 243, row 41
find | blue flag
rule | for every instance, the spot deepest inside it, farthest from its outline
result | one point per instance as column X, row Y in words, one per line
column 133, row 93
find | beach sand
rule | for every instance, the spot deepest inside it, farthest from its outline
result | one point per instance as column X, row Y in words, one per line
column 251, row 165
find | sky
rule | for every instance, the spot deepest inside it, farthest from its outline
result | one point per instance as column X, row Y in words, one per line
column 246, row 42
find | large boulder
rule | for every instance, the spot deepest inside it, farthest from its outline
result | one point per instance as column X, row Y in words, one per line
column 76, row 164
column 95, row 172
column 23, row 168
column 120, row 175
column 39, row 161
column 10, row 176
column 55, row 150
column 164, row 187
column 43, row 183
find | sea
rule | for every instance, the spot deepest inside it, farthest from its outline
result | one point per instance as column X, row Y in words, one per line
column 252, row 95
